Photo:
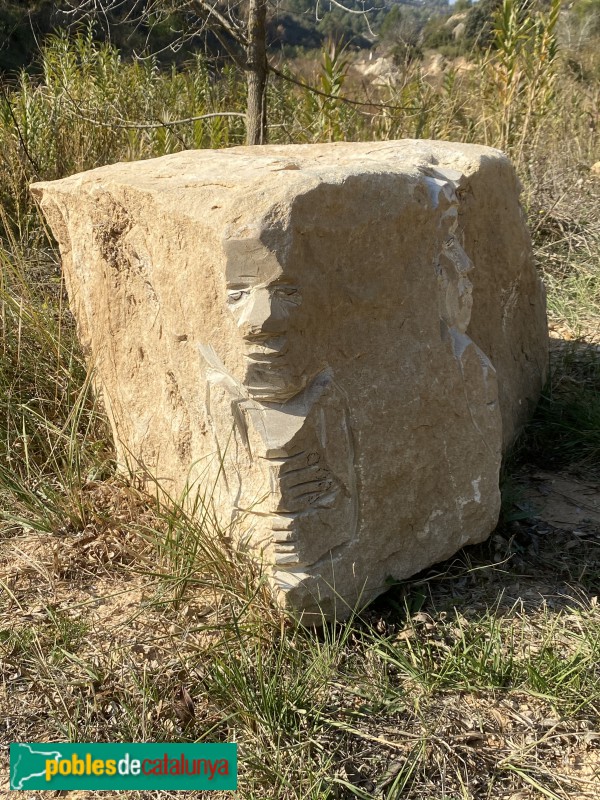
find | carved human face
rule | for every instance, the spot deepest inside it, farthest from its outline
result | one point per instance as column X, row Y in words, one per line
column 453, row 274
column 274, row 370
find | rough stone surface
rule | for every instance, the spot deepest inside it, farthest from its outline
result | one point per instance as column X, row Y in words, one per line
column 335, row 342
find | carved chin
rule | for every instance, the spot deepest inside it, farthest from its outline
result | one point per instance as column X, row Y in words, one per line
column 271, row 386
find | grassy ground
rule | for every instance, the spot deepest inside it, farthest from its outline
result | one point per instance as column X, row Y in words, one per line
column 478, row 679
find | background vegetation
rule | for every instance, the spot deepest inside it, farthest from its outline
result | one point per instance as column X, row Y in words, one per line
column 122, row 619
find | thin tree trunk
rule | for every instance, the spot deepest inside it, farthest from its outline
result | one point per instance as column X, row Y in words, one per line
column 256, row 73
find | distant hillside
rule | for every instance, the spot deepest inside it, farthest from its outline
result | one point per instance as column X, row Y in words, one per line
column 293, row 26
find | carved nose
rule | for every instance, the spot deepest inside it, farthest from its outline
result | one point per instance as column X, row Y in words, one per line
column 260, row 316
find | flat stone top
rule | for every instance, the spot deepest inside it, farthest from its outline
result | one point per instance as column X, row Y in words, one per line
column 310, row 164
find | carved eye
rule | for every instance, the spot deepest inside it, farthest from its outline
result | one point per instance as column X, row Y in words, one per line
column 288, row 291
column 450, row 242
column 236, row 295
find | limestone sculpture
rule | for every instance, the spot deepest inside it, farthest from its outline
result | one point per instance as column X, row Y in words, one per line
column 338, row 340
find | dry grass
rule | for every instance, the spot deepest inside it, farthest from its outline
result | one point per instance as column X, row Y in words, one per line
column 477, row 679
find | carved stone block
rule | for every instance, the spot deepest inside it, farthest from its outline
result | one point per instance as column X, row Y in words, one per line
column 333, row 343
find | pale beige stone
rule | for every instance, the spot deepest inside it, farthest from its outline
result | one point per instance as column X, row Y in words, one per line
column 333, row 342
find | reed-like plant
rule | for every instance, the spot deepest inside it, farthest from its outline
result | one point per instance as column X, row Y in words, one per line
column 519, row 74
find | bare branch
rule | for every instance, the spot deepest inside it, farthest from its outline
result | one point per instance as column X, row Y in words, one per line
column 352, row 10
column 30, row 158
column 152, row 125
column 235, row 32
column 347, row 100
column 362, row 13
column 235, row 57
